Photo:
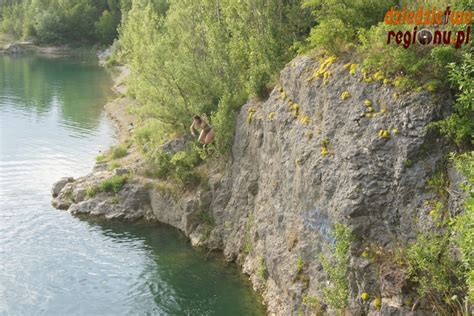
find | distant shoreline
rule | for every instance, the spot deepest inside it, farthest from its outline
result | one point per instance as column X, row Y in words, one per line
column 10, row 46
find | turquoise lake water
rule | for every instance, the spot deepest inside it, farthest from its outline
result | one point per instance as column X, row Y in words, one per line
column 52, row 124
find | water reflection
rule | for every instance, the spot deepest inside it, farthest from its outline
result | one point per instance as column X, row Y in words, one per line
column 39, row 85
column 182, row 280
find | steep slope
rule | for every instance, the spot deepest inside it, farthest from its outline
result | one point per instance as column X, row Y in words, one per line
column 293, row 178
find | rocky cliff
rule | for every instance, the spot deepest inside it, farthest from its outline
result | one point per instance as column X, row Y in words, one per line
column 329, row 146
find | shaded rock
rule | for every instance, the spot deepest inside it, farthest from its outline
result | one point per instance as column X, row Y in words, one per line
column 173, row 146
column 59, row 185
column 65, row 197
column 15, row 48
column 98, row 167
column 79, row 195
column 122, row 171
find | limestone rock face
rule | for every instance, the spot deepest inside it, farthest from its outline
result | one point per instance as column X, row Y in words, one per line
column 304, row 160
column 316, row 153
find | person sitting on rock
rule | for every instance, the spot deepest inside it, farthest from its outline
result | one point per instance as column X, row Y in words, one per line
column 207, row 133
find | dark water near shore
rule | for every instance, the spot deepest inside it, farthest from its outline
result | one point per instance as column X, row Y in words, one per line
column 52, row 124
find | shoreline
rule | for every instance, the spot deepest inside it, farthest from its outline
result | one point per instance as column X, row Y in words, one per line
column 116, row 108
column 13, row 47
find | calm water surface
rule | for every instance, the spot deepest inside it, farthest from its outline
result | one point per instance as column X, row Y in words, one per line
column 52, row 125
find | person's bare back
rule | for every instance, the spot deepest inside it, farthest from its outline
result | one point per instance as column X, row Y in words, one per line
column 207, row 132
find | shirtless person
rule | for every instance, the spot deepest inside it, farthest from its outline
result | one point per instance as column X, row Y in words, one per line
column 207, row 133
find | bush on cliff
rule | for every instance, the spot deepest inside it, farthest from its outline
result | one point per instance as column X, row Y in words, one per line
column 206, row 57
column 113, row 184
column 460, row 125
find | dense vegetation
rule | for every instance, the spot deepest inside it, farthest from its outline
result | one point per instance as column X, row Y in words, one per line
column 63, row 21
column 207, row 57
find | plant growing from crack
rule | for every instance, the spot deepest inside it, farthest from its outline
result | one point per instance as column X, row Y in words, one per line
column 248, row 234
column 336, row 266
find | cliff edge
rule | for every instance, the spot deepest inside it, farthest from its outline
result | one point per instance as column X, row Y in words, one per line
column 329, row 146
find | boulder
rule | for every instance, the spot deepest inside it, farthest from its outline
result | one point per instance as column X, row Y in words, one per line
column 59, row 185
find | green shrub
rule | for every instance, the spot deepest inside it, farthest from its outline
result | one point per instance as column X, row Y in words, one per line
column 248, row 234
column 206, row 218
column 438, row 275
column 184, row 163
column 261, row 269
column 460, row 125
column 115, row 152
column 331, row 36
column 464, row 224
column 106, row 27
column 439, row 183
column 177, row 72
column 113, row 184
column 119, row 151
column 102, row 158
column 223, row 121
column 299, row 265
column 91, row 191
column 355, row 14
column 312, row 303
column 336, row 294
column 163, row 165
column 113, row 165
column 440, row 262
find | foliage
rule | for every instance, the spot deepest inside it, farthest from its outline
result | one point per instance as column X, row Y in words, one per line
column 183, row 164
column 91, row 191
column 113, row 165
column 343, row 25
column 206, row 218
column 180, row 166
column 248, row 234
column 206, row 57
column 115, row 152
column 355, row 14
column 113, row 184
column 464, row 223
column 312, row 303
column 261, row 269
column 336, row 295
column 460, row 125
column 118, row 152
column 331, row 36
column 60, row 21
column 106, row 27
column 299, row 264
column 434, row 269
column 163, row 165
column 441, row 261
column 224, row 122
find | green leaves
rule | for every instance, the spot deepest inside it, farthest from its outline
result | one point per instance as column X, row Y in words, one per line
column 460, row 125
column 336, row 294
column 60, row 21
column 206, row 57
